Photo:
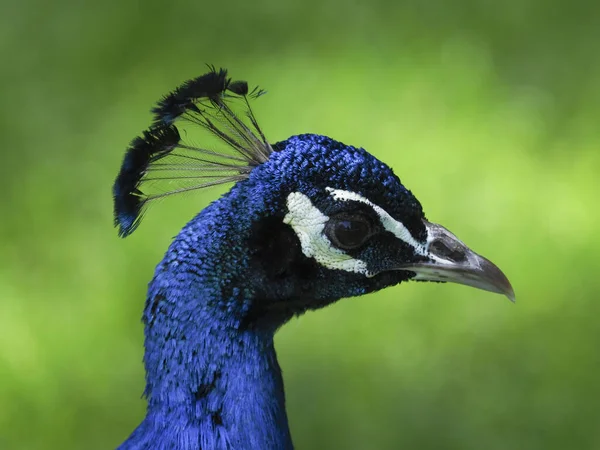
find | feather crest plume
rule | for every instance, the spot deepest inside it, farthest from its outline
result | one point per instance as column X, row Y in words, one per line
column 164, row 161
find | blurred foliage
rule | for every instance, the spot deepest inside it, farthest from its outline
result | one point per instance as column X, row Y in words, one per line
column 487, row 110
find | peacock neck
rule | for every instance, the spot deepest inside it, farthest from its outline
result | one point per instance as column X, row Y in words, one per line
column 212, row 379
column 224, row 392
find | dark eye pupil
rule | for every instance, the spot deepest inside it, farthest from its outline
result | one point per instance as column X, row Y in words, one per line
column 350, row 233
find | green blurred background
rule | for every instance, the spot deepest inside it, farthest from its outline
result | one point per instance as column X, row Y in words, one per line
column 487, row 110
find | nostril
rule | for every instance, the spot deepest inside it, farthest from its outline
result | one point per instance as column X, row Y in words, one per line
column 440, row 249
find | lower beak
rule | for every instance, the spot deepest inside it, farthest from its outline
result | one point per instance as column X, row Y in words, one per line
column 452, row 261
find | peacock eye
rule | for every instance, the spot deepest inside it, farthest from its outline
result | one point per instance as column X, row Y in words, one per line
column 348, row 232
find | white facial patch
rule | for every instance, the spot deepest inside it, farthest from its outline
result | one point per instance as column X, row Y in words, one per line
column 389, row 223
column 309, row 222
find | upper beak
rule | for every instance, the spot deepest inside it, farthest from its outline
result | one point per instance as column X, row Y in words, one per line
column 452, row 261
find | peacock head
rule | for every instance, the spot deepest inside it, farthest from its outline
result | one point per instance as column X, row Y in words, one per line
column 332, row 220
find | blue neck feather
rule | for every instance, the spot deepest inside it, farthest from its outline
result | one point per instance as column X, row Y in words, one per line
column 211, row 379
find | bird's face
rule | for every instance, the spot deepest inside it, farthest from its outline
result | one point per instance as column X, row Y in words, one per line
column 310, row 220
column 351, row 227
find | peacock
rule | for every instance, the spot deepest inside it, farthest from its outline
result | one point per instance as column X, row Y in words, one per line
column 308, row 221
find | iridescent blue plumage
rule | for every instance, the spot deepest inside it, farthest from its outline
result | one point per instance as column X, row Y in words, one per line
column 246, row 264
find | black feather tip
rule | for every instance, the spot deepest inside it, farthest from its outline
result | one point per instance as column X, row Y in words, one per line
column 238, row 87
column 210, row 85
column 129, row 201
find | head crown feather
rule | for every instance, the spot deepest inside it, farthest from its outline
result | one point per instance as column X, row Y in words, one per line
column 161, row 163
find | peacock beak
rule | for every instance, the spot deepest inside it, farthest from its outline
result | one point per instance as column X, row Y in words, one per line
column 450, row 260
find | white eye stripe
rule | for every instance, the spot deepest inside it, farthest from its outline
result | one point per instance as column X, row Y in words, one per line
column 309, row 222
column 389, row 223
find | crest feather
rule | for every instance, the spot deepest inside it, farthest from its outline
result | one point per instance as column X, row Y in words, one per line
column 162, row 163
